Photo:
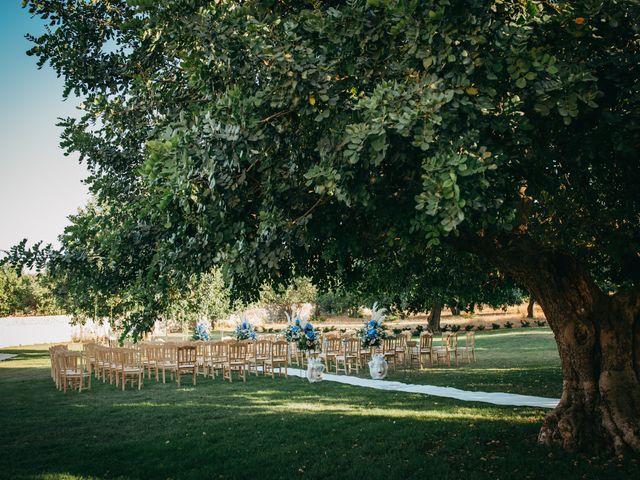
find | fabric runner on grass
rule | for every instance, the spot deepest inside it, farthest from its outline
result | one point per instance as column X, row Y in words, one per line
column 496, row 398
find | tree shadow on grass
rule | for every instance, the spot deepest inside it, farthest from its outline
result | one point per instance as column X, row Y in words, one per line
column 271, row 429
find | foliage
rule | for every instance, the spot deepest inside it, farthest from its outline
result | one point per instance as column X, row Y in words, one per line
column 27, row 294
column 540, row 323
column 204, row 297
column 525, row 323
column 340, row 301
column 495, row 326
column 508, row 325
column 468, row 328
column 480, row 327
column 285, row 298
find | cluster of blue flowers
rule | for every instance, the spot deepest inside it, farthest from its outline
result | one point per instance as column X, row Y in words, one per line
column 244, row 331
column 371, row 334
column 202, row 331
column 294, row 331
column 309, row 339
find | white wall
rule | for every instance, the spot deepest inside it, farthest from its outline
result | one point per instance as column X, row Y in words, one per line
column 16, row 331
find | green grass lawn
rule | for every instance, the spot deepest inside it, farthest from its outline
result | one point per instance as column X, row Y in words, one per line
column 290, row 428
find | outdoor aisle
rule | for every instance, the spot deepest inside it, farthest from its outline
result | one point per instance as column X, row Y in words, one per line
column 496, row 398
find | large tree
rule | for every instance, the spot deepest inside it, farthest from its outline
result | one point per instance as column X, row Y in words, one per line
column 282, row 138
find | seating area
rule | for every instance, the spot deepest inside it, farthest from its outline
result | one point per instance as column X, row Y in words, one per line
column 229, row 359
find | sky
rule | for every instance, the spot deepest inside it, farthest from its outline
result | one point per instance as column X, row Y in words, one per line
column 39, row 186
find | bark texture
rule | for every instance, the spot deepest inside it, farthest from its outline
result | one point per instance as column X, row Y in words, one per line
column 434, row 317
column 598, row 338
column 532, row 302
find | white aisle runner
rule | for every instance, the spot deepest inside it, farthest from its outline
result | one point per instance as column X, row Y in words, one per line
column 496, row 398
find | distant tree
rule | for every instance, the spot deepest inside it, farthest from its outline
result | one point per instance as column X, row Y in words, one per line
column 27, row 294
column 287, row 298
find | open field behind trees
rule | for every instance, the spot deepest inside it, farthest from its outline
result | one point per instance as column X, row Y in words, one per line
column 485, row 317
column 289, row 428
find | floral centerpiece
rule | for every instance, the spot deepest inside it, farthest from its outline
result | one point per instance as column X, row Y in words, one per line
column 294, row 331
column 202, row 331
column 372, row 333
column 309, row 340
column 244, row 331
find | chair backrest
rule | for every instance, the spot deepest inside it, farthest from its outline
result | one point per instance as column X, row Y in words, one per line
column 389, row 344
column 237, row 351
column 129, row 358
column 332, row 344
column 470, row 339
column 280, row 349
column 186, row 354
column 71, row 360
column 426, row 340
column 352, row 346
column 261, row 349
column 450, row 340
column 219, row 351
column 170, row 352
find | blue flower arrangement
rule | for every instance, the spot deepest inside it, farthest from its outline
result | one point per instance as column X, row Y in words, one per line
column 244, row 331
column 372, row 333
column 309, row 339
column 294, row 329
column 202, row 331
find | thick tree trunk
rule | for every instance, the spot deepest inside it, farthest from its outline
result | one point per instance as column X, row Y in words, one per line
column 455, row 310
column 434, row 317
column 598, row 338
column 532, row 302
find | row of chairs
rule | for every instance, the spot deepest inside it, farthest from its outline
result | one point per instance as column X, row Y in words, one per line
column 210, row 359
column 69, row 369
column 122, row 365
column 344, row 353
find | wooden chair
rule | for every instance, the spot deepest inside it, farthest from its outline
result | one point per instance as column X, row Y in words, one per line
column 201, row 353
column 129, row 366
column 449, row 346
column 236, row 361
column 349, row 357
column 469, row 347
column 331, row 346
column 401, row 346
column 89, row 350
column 73, row 368
column 186, row 361
column 426, row 348
column 389, row 351
column 218, row 356
column 413, row 354
column 169, row 361
column 278, row 357
column 259, row 354
column 296, row 355
column 153, row 358
column 111, row 365
column 54, row 352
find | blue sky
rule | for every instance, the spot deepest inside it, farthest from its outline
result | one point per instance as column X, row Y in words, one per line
column 39, row 186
